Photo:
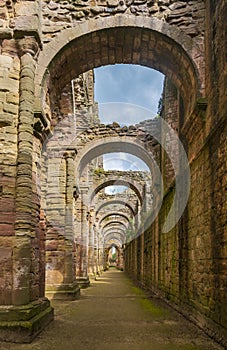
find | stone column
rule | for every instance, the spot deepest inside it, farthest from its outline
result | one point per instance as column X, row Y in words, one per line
column 121, row 259
column 101, row 253
column 29, row 313
column 95, row 250
column 83, row 279
column 91, row 243
column 137, row 216
column 68, row 289
column 70, row 280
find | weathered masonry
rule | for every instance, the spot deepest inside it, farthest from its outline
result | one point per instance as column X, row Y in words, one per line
column 57, row 224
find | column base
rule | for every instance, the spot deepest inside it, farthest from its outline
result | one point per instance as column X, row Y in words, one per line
column 63, row 292
column 83, row 282
column 21, row 324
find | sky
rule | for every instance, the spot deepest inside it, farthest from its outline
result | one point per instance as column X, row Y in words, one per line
column 126, row 94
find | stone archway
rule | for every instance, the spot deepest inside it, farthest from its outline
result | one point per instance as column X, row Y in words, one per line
column 149, row 42
column 113, row 213
column 102, row 36
column 117, row 201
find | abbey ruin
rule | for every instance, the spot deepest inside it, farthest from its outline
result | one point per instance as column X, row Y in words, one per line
column 57, row 222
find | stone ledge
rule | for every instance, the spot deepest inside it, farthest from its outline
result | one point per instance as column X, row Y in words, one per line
column 15, row 327
column 83, row 282
column 28, row 26
column 63, row 292
column 6, row 33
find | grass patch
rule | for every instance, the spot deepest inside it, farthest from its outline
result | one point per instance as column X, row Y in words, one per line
column 138, row 291
column 153, row 309
column 148, row 305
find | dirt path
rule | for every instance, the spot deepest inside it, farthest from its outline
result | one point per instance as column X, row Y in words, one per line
column 114, row 315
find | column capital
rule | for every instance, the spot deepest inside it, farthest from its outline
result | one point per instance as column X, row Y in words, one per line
column 71, row 153
column 28, row 45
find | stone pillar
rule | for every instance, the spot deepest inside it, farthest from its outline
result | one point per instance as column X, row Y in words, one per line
column 106, row 258
column 29, row 313
column 9, row 104
column 91, row 243
column 142, row 258
column 68, row 289
column 101, row 253
column 95, row 250
column 121, row 259
column 83, row 278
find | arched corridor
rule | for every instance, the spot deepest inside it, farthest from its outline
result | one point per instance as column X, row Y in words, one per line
column 62, row 211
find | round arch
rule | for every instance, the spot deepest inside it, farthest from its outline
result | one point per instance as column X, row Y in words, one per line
column 116, row 236
column 113, row 202
column 116, row 144
column 114, row 224
column 113, row 242
column 114, row 213
column 129, row 184
column 116, row 229
column 134, row 39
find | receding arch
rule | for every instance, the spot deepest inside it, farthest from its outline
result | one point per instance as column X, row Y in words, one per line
column 135, row 39
column 118, row 230
column 114, row 224
column 116, row 144
column 110, row 235
column 113, row 202
column 113, row 241
column 114, row 213
column 129, row 184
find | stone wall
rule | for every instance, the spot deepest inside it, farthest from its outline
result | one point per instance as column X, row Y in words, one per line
column 58, row 15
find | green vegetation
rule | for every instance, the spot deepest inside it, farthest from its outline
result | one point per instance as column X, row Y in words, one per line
column 99, row 171
column 149, row 305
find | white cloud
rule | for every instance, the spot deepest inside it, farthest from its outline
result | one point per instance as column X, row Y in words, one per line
column 130, row 84
column 123, row 113
column 112, row 190
column 124, row 162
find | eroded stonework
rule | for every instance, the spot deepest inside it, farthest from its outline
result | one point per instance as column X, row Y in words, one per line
column 188, row 15
column 53, row 206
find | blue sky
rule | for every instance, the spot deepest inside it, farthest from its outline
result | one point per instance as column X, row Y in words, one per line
column 126, row 94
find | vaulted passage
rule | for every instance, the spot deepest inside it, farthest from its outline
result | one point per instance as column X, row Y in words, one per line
column 66, row 220
column 114, row 314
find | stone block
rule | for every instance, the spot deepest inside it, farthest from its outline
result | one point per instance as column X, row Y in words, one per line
column 6, row 61
column 5, row 253
column 63, row 292
column 12, row 98
column 6, row 229
column 112, row 3
column 3, row 13
column 6, row 119
column 26, row 8
column 8, row 85
column 29, row 25
column 10, row 108
column 21, row 324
